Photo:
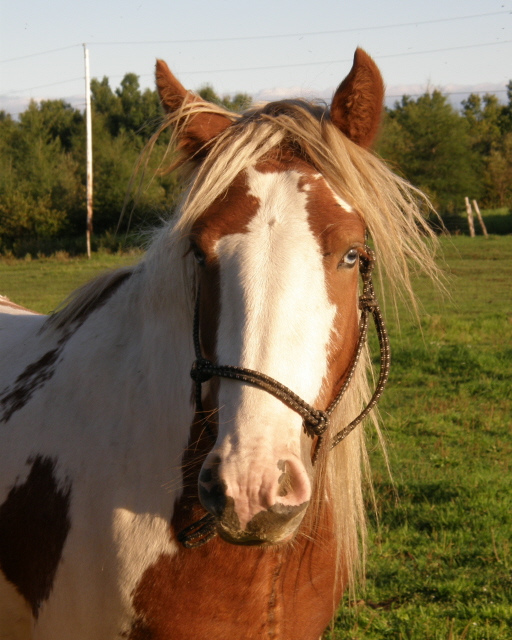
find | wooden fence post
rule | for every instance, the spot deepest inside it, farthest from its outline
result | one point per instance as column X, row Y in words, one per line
column 477, row 210
column 470, row 218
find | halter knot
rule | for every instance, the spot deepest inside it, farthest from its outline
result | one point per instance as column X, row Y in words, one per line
column 367, row 302
column 316, row 423
column 202, row 370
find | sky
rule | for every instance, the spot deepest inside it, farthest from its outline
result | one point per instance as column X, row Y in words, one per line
column 269, row 48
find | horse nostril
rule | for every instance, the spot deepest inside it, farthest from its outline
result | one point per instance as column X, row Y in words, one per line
column 293, row 486
column 284, row 481
column 212, row 496
column 207, row 475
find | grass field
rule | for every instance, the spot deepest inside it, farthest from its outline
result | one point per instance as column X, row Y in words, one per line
column 439, row 558
column 43, row 284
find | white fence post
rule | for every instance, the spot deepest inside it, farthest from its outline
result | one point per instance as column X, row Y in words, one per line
column 484, row 228
column 470, row 218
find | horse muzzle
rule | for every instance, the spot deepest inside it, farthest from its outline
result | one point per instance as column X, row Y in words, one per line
column 267, row 513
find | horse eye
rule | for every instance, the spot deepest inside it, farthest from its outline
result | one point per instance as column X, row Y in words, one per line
column 199, row 256
column 350, row 258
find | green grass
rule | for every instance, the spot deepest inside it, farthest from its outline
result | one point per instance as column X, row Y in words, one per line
column 439, row 555
column 497, row 221
column 502, row 211
column 42, row 284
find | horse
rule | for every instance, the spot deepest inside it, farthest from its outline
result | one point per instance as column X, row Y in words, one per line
column 167, row 458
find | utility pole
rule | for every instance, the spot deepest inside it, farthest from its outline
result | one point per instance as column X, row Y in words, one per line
column 88, row 121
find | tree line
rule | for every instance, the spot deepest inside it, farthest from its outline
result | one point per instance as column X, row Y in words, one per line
column 447, row 153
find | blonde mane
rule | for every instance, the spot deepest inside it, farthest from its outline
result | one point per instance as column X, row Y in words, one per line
column 393, row 211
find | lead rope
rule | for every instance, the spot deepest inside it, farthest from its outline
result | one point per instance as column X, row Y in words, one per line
column 315, row 421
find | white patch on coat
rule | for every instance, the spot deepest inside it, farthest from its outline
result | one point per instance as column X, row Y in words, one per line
column 140, row 540
column 276, row 318
column 343, row 203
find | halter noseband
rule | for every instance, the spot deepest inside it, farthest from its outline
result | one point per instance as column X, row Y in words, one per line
column 315, row 421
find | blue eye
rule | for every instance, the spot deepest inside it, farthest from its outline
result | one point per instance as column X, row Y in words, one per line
column 349, row 259
column 352, row 256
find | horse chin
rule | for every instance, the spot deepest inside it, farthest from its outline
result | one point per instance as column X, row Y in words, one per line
column 250, row 539
column 268, row 528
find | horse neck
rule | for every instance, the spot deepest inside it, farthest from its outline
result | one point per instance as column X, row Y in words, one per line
column 137, row 350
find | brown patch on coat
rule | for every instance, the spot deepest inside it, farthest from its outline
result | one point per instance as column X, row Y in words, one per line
column 89, row 298
column 32, row 378
column 357, row 104
column 230, row 213
column 34, row 524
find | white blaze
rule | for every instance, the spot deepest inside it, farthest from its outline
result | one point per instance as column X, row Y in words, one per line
column 276, row 318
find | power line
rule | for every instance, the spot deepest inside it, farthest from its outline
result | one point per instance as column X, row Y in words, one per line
column 267, row 37
column 447, row 93
column 326, row 62
column 387, row 96
column 42, row 86
column 305, row 33
column 42, row 53
column 288, row 66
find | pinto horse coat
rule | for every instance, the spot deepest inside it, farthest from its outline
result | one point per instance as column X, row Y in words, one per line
column 104, row 458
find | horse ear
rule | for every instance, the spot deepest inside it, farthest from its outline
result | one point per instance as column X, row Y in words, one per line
column 357, row 105
column 200, row 127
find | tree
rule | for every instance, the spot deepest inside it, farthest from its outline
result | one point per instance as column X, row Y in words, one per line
column 238, row 103
column 498, row 172
column 126, row 109
column 39, row 179
column 506, row 115
column 483, row 116
column 430, row 143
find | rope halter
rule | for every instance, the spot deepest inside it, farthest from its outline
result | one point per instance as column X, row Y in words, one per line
column 315, row 421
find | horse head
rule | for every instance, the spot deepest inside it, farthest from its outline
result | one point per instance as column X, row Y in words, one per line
column 277, row 255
